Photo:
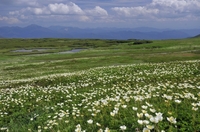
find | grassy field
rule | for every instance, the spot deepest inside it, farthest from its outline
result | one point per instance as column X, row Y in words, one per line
column 96, row 53
column 109, row 85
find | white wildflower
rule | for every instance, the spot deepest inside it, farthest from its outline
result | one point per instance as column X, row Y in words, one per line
column 171, row 119
column 146, row 130
column 134, row 108
column 150, row 127
column 140, row 122
column 123, row 127
column 90, row 121
column 177, row 101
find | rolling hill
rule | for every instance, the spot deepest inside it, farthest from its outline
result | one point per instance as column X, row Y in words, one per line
column 198, row 36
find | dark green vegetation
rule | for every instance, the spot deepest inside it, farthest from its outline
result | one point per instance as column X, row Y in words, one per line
column 197, row 36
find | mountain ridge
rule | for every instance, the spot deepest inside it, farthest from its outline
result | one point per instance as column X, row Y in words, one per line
column 36, row 31
column 197, row 36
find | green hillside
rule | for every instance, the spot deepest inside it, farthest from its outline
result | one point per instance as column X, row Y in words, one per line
column 96, row 85
column 26, row 58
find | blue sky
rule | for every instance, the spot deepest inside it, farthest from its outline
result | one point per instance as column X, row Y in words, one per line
column 173, row 14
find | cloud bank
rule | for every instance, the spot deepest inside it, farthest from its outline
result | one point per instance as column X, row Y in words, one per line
column 109, row 12
column 162, row 9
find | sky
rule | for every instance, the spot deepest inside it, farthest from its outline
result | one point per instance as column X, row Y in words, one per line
column 174, row 14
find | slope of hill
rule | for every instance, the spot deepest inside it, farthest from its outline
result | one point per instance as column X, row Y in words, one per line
column 191, row 32
column 198, row 36
column 35, row 31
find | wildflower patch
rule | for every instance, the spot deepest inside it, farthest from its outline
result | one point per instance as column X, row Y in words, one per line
column 139, row 97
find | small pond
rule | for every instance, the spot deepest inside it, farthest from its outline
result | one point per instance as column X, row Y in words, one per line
column 41, row 50
column 30, row 50
column 70, row 51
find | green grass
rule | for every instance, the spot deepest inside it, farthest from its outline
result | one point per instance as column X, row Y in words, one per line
column 97, row 53
column 101, row 86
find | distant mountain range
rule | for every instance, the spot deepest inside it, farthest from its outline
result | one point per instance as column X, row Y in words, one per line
column 35, row 31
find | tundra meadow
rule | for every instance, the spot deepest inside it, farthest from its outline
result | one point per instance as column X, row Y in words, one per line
column 112, row 86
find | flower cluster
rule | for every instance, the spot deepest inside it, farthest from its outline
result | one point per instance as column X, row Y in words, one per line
column 142, row 97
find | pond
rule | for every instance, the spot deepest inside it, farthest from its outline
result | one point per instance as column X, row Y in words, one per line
column 70, row 51
column 30, row 50
column 41, row 50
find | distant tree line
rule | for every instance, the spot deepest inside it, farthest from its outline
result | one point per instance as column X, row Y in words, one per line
column 142, row 41
column 130, row 41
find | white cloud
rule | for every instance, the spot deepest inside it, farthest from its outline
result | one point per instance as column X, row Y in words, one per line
column 162, row 9
column 38, row 11
column 135, row 11
column 112, row 12
column 180, row 5
column 9, row 20
column 71, row 9
column 28, row 10
column 61, row 8
column 14, row 12
column 97, row 11
column 84, row 18
column 54, row 9
column 177, row 9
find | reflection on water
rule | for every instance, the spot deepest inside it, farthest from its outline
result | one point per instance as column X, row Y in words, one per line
column 40, row 50
column 29, row 50
column 70, row 51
